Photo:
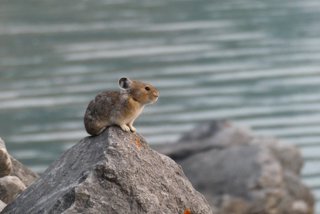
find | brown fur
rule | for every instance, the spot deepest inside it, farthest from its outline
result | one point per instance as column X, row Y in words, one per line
column 119, row 107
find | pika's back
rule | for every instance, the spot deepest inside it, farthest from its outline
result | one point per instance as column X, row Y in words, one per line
column 105, row 99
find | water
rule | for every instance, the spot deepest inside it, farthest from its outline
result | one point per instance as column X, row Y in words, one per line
column 251, row 61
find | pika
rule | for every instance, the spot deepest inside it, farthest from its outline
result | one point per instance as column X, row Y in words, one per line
column 119, row 107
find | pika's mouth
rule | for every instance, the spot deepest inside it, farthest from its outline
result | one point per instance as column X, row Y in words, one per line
column 155, row 100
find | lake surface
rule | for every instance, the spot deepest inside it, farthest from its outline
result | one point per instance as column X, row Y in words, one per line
column 250, row 61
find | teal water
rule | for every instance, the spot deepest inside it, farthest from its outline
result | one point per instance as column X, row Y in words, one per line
column 250, row 61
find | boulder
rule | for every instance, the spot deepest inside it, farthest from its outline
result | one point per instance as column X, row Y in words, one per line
column 115, row 172
column 14, row 176
column 240, row 173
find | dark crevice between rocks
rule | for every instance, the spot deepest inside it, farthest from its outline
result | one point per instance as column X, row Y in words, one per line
column 83, row 177
column 64, row 202
column 186, row 153
column 106, row 174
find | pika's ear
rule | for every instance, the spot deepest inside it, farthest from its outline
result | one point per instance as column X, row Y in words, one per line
column 124, row 83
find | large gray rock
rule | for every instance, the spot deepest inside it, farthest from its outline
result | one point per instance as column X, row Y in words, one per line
column 240, row 173
column 116, row 173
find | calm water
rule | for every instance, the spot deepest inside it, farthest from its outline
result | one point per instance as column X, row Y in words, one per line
column 251, row 61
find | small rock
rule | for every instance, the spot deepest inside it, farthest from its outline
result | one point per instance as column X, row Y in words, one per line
column 14, row 177
column 11, row 166
column 26, row 175
column 10, row 187
column 5, row 162
column 2, row 205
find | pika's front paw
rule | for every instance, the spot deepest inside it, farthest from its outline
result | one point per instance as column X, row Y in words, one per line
column 125, row 128
column 133, row 129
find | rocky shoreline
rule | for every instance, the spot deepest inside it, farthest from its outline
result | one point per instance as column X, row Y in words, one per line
column 117, row 172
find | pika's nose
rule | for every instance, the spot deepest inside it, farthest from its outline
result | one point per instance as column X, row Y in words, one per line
column 156, row 94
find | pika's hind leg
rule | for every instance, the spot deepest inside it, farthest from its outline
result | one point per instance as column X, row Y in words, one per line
column 101, row 130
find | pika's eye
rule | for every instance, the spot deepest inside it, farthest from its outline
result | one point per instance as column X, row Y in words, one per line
column 147, row 88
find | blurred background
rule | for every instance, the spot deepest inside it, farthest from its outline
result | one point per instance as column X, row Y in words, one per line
column 251, row 61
